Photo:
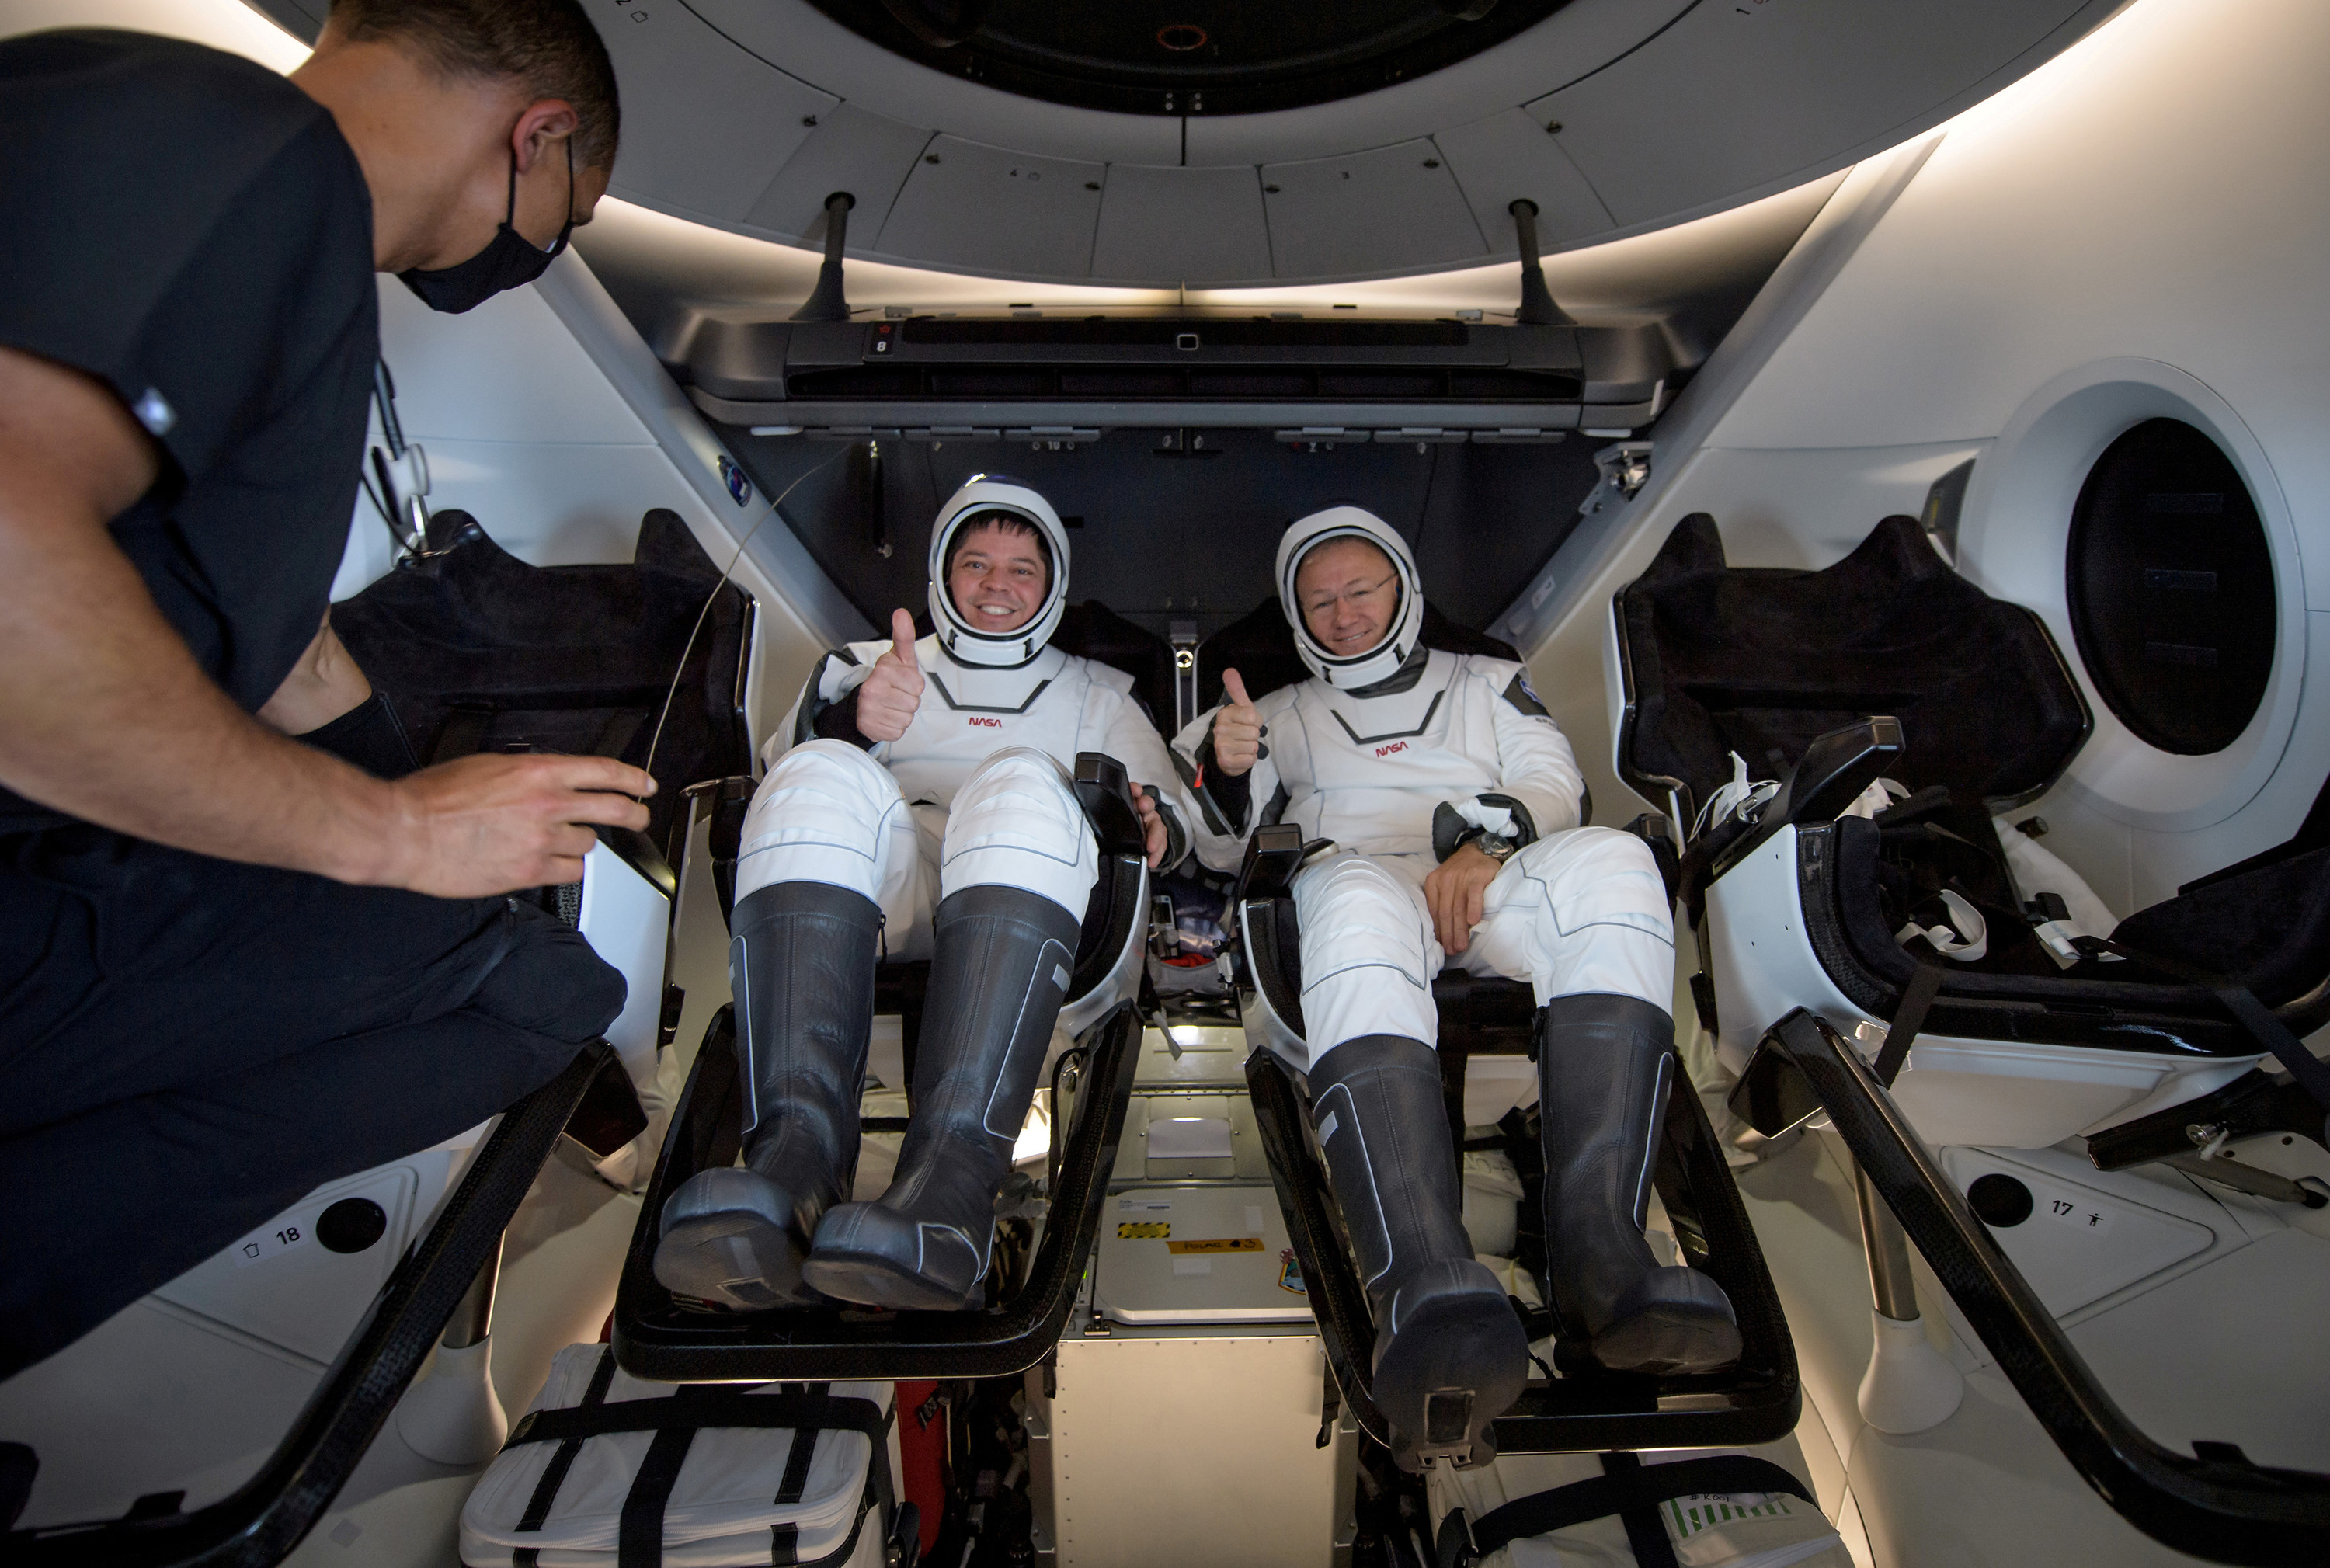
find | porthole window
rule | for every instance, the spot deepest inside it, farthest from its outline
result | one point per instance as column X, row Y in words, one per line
column 2171, row 588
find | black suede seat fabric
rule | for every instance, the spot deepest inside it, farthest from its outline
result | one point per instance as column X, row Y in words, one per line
column 481, row 652
column 2267, row 930
column 1763, row 661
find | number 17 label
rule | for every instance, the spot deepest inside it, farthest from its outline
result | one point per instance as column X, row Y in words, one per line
column 2094, row 1218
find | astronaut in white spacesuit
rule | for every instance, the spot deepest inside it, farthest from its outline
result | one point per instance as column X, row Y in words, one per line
column 1453, row 804
column 917, row 803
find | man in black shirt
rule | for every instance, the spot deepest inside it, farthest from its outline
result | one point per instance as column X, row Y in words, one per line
column 234, row 964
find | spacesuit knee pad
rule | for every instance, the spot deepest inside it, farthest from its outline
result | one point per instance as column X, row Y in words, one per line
column 1366, row 967
column 1016, row 822
column 826, row 812
column 1603, row 922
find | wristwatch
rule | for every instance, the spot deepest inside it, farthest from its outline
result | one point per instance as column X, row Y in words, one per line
column 1489, row 843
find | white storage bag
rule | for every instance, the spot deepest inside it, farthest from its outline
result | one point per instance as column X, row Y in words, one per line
column 608, row 1470
column 1722, row 1509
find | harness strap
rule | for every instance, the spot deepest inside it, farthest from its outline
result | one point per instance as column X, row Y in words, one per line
column 1647, row 1533
column 2253, row 1016
column 553, row 1474
column 1917, row 998
column 1623, row 1489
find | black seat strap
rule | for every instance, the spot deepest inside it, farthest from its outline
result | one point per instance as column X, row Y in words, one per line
column 2254, row 1016
column 705, row 1405
column 553, row 1474
column 1628, row 1488
column 1917, row 998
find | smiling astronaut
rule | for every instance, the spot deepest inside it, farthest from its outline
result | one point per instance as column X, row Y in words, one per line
column 1452, row 804
column 917, row 804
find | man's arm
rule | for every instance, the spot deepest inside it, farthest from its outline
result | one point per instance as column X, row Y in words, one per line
column 105, row 715
column 325, row 683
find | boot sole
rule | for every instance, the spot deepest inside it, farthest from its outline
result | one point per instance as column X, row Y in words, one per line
column 1454, row 1368
column 737, row 1259
column 1669, row 1338
column 876, row 1280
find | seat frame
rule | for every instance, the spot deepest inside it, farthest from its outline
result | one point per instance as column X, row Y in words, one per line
column 262, row 1520
column 654, row 1336
column 1583, row 1408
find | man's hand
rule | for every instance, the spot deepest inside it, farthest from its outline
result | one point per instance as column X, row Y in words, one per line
column 491, row 823
column 887, row 700
column 1237, row 729
column 1152, row 825
column 105, row 715
column 1454, row 893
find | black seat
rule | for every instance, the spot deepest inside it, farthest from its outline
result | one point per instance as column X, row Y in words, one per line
column 481, row 652
column 1890, row 663
column 657, row 1336
column 1718, row 660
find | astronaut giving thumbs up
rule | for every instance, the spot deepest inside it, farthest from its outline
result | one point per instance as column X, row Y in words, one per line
column 1453, row 804
column 918, row 802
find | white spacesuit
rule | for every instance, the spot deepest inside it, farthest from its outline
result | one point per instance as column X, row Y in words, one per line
column 1401, row 755
column 961, row 841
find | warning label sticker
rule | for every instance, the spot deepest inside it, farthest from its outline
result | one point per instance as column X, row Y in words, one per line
column 1144, row 1230
column 1226, row 1244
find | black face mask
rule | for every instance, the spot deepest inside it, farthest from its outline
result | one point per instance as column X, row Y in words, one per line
column 508, row 262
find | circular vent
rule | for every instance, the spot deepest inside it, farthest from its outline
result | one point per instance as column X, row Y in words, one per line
column 2171, row 594
column 1206, row 57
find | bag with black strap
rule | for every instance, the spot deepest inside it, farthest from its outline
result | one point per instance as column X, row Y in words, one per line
column 1712, row 1510
column 611, row 1471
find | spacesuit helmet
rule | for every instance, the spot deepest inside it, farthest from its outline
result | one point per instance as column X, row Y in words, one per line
column 1383, row 660
column 982, row 495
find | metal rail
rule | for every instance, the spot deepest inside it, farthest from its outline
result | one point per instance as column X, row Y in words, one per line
column 2214, row 1504
column 262, row 1521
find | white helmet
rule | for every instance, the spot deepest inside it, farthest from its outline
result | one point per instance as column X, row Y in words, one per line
column 967, row 643
column 1382, row 661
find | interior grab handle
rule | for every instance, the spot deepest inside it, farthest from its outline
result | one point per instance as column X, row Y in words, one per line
column 826, row 303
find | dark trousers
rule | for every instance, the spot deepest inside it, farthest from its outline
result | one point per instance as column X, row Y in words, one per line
column 189, row 1045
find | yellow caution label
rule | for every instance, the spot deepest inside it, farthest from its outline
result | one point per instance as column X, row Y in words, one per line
column 1144, row 1230
column 1226, row 1244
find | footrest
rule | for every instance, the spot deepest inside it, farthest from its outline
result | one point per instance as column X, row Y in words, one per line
column 655, row 1336
column 1586, row 1410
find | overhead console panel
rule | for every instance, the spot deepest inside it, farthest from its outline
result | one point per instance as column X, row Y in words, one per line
column 1310, row 380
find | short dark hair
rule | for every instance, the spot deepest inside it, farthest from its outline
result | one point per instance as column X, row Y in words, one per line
column 548, row 45
column 1003, row 522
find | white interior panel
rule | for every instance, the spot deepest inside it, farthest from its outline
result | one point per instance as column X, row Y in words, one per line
column 705, row 124
column 1508, row 157
column 1732, row 97
column 1391, row 208
column 2124, row 205
column 992, row 208
column 852, row 149
column 508, row 371
column 2016, row 533
column 1172, row 224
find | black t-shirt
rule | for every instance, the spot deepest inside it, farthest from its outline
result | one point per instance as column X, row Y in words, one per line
column 191, row 228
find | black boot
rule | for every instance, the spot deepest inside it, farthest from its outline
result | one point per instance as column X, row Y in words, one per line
column 999, row 970
column 801, row 965
column 1605, row 1063
column 1450, row 1355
